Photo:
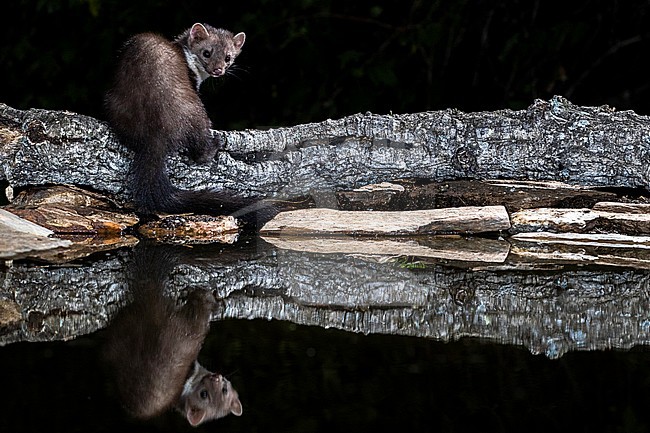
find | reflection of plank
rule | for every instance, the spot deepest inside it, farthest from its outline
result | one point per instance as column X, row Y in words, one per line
column 609, row 240
column 578, row 248
column 20, row 237
column 451, row 220
column 440, row 247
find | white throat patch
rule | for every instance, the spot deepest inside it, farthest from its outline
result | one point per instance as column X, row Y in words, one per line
column 196, row 67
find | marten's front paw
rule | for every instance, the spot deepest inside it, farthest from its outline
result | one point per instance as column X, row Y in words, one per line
column 201, row 155
column 218, row 141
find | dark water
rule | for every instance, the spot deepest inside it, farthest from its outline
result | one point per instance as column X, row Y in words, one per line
column 295, row 378
column 410, row 366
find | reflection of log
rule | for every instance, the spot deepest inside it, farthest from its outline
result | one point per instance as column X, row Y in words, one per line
column 328, row 221
column 551, row 140
column 62, row 302
column 541, row 248
column 608, row 240
column 550, row 312
column 438, row 247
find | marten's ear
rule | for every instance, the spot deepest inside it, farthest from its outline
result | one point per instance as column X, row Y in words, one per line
column 198, row 32
column 239, row 40
column 194, row 416
column 235, row 407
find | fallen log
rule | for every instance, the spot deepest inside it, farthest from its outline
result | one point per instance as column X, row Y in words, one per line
column 550, row 141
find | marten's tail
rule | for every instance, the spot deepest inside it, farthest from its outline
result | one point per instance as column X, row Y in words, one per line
column 153, row 192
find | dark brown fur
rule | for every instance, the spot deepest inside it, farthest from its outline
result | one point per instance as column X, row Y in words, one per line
column 152, row 347
column 155, row 109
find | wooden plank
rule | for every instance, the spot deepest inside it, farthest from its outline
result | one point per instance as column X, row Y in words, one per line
column 581, row 220
column 328, row 221
column 550, row 219
column 617, row 207
column 437, row 247
column 192, row 229
column 21, row 238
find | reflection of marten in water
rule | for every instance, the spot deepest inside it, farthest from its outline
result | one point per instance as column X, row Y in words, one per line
column 153, row 345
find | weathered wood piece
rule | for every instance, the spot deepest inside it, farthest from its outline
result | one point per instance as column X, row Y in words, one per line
column 192, row 229
column 63, row 195
column 580, row 220
column 622, row 208
column 84, row 221
column 550, row 141
column 437, row 247
column 21, row 238
column 73, row 211
column 66, row 220
column 328, row 221
column 411, row 194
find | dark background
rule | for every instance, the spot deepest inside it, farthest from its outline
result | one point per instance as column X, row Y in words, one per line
column 307, row 60
column 307, row 379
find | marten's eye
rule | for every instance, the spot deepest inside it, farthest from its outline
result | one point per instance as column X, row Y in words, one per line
column 207, row 53
column 203, row 394
column 224, row 390
column 228, row 58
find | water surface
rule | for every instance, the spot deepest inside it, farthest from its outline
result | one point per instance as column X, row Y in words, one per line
column 320, row 342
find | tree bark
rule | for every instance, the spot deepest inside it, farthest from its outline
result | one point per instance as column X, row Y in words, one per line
column 551, row 140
